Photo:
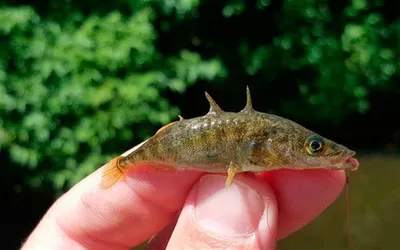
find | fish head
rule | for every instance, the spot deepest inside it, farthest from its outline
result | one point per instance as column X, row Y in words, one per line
column 296, row 147
column 315, row 151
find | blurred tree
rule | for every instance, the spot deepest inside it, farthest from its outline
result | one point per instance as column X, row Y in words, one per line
column 72, row 87
column 323, row 58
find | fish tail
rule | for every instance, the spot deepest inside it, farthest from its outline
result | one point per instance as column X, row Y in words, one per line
column 113, row 173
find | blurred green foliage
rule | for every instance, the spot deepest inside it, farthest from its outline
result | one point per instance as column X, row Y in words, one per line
column 71, row 90
column 79, row 80
column 340, row 52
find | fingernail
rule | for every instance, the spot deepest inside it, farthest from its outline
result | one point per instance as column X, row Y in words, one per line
column 231, row 212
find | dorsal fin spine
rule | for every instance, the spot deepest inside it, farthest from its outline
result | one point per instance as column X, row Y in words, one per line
column 214, row 108
column 249, row 105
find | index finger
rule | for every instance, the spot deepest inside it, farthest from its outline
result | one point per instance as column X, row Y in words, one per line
column 123, row 216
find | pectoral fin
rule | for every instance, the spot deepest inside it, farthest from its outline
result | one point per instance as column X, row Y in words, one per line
column 264, row 157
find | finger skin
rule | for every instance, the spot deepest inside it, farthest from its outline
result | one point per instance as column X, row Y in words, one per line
column 88, row 217
column 253, row 228
column 160, row 241
column 303, row 195
column 120, row 217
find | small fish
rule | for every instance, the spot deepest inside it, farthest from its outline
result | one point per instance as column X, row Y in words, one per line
column 228, row 142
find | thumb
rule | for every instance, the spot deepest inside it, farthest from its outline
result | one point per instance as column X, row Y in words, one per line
column 244, row 216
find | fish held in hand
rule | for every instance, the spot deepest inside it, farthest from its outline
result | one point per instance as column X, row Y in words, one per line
column 228, row 142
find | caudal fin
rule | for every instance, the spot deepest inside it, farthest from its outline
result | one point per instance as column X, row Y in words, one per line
column 112, row 173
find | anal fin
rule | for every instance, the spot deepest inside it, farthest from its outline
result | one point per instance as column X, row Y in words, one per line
column 232, row 171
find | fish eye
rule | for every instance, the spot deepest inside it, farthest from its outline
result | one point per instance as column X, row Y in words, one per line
column 315, row 145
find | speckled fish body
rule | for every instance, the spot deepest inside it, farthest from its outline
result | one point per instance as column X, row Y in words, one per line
column 210, row 143
column 247, row 141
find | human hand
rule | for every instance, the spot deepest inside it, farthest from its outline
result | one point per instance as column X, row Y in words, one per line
column 253, row 213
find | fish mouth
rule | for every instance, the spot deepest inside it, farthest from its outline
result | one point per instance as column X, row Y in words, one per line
column 350, row 162
column 346, row 161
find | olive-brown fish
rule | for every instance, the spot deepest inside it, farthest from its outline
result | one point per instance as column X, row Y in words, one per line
column 247, row 141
